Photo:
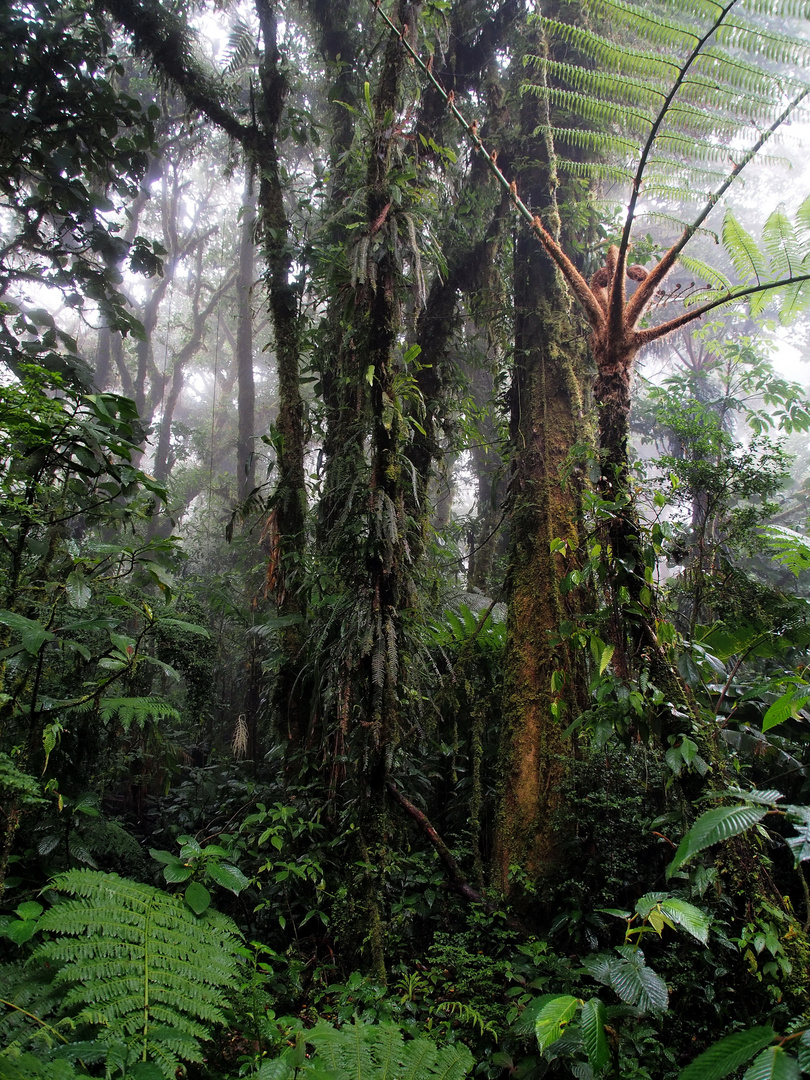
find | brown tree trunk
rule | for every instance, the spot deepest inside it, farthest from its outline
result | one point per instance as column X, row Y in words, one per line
column 546, row 423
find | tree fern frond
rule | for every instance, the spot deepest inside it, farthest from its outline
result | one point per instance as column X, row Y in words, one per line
column 600, row 83
column 669, row 219
column 122, row 944
column 607, row 54
column 594, row 170
column 780, row 241
column 745, row 254
column 671, row 193
column 734, row 73
column 706, row 273
column 603, row 113
column 595, row 141
column 645, row 24
column 767, row 43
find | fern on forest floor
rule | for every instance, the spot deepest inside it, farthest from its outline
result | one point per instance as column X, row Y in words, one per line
column 146, row 979
column 370, row 1051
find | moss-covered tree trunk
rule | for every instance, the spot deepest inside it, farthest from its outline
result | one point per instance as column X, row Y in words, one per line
column 286, row 528
column 547, row 421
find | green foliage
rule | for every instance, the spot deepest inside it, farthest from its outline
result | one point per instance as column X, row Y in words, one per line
column 371, row 1051
column 715, row 826
column 139, row 969
column 641, row 81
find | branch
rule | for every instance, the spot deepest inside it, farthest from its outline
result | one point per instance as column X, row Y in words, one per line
column 652, row 333
column 162, row 37
column 641, row 296
column 457, row 879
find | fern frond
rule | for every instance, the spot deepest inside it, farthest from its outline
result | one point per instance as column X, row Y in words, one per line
column 706, row 273
column 597, row 142
column 745, row 254
column 133, row 710
column 607, row 54
column 375, row 1052
column 595, row 171
column 240, row 51
column 140, row 965
column 780, row 241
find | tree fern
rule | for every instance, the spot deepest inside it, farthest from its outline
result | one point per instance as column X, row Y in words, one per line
column 699, row 79
column 362, row 1051
column 139, row 966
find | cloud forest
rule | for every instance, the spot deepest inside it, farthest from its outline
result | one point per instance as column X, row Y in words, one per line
column 404, row 555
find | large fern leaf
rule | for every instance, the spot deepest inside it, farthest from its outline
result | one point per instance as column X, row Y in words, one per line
column 362, row 1051
column 700, row 82
column 140, row 966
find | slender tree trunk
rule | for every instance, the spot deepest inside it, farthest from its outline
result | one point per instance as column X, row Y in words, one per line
column 246, row 390
column 288, row 522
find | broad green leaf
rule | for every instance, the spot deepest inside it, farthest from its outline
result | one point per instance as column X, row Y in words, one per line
column 189, row 627
column 727, row 1055
column 787, row 706
column 165, row 857
column 593, row 1034
column 21, row 930
column 274, row 1070
column 804, row 1051
column 29, row 910
column 174, row 873
column 197, row 897
column 552, row 1018
column 799, row 844
column 32, row 633
column 77, row 589
column 637, row 984
column 688, row 917
column 712, row 827
column 773, row 1064
column 229, row 877
column 605, row 658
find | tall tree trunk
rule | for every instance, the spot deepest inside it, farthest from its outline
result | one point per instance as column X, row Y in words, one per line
column 288, row 523
column 546, row 422
column 246, row 390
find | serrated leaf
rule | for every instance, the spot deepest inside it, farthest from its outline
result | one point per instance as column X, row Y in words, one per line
column 605, row 658
column 713, row 827
column 552, row 1018
column 688, row 917
column 727, row 1055
column 637, row 984
column 787, row 706
column 593, row 1034
column 773, row 1064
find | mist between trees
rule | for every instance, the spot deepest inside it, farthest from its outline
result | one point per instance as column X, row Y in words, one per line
column 404, row 620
